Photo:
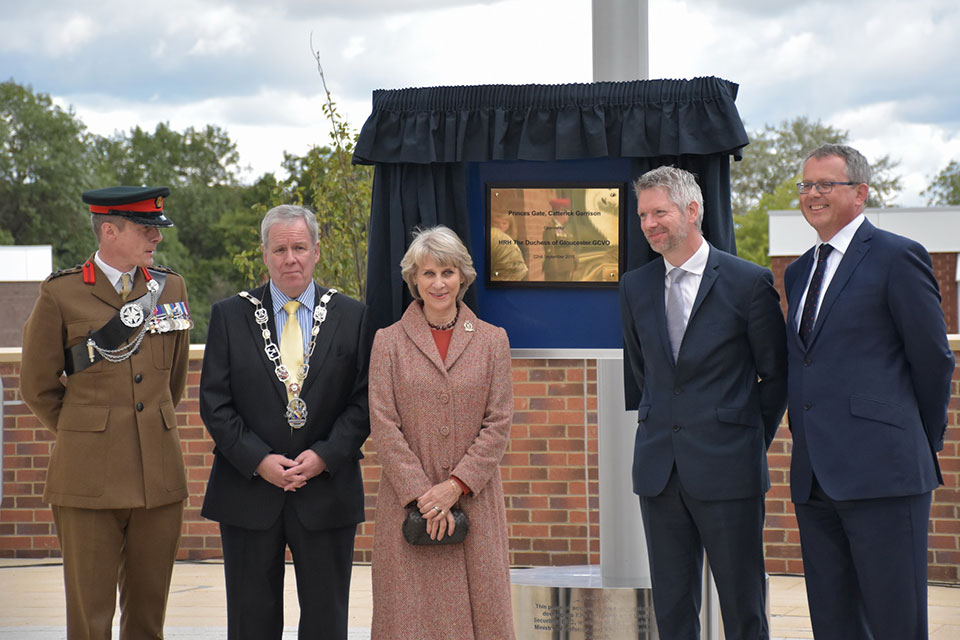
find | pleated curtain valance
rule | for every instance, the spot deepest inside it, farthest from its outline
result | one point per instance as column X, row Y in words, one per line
column 643, row 118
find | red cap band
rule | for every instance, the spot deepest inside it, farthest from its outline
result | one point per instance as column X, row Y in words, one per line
column 149, row 206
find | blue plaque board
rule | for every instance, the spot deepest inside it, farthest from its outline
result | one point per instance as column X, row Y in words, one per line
column 555, row 316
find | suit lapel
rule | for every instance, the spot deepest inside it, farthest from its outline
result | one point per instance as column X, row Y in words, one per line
column 656, row 284
column 858, row 248
column 460, row 338
column 709, row 278
column 710, row 273
column 324, row 339
column 263, row 295
column 415, row 326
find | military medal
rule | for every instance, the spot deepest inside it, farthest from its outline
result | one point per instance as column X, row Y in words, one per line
column 296, row 410
column 171, row 316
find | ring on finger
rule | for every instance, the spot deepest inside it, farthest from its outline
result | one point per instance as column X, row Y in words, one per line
column 437, row 509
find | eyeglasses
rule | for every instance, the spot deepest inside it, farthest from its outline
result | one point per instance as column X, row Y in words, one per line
column 822, row 187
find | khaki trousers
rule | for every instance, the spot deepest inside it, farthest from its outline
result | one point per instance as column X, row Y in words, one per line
column 105, row 548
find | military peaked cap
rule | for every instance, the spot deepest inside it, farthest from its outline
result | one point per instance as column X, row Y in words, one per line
column 143, row 205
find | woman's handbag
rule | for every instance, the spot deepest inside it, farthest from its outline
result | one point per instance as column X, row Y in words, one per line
column 415, row 527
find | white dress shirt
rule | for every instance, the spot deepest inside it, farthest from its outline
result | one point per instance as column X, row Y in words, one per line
column 840, row 243
column 113, row 275
column 690, row 283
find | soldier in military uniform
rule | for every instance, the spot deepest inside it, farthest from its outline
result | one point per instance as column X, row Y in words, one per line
column 104, row 364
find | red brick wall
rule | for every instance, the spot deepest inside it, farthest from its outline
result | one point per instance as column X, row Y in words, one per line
column 549, row 470
column 549, row 474
column 944, row 269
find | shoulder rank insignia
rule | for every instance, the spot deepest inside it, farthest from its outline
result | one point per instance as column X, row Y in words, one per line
column 67, row 271
column 160, row 267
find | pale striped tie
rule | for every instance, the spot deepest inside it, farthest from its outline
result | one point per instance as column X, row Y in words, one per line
column 291, row 345
column 675, row 323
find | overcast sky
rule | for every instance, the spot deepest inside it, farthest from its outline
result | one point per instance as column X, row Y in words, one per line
column 886, row 71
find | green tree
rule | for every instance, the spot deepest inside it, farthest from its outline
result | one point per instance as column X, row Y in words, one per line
column 765, row 179
column 44, row 166
column 200, row 166
column 944, row 191
column 753, row 235
column 326, row 181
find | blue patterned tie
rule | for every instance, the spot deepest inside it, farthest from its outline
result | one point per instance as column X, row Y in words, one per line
column 809, row 315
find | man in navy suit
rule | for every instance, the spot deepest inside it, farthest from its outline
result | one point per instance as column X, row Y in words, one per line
column 707, row 351
column 283, row 393
column 869, row 383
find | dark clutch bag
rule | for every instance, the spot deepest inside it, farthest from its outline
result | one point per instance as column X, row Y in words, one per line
column 415, row 528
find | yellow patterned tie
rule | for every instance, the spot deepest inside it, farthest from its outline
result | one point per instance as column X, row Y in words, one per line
column 291, row 345
column 126, row 286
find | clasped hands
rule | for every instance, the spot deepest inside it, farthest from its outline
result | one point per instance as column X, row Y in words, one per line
column 435, row 507
column 290, row 475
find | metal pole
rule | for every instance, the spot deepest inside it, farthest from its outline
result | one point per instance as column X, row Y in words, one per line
column 620, row 40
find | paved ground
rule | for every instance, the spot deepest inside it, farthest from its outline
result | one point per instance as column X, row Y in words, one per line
column 31, row 604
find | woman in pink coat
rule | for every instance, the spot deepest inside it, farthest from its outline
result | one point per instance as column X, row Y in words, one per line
column 441, row 401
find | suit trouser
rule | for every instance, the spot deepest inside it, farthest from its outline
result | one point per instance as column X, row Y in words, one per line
column 678, row 528
column 865, row 566
column 101, row 548
column 253, row 563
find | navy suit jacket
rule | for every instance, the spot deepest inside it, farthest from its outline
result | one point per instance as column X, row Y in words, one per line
column 868, row 396
column 715, row 411
column 242, row 404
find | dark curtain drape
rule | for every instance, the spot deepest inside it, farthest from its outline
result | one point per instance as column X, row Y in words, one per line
column 420, row 141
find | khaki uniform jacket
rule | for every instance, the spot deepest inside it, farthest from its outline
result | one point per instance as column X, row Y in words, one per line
column 116, row 431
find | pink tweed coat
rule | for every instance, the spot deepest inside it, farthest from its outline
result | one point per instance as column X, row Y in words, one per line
column 429, row 420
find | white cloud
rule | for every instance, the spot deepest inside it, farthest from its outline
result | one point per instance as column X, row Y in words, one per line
column 923, row 149
column 355, row 47
column 67, row 38
column 880, row 69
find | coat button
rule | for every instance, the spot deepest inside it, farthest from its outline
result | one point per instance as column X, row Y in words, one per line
column 445, row 431
column 676, row 391
column 138, row 378
column 445, row 464
column 676, row 428
column 806, row 362
column 444, row 398
column 806, row 406
column 139, row 406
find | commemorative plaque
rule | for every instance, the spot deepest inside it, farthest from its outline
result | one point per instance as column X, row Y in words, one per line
column 566, row 235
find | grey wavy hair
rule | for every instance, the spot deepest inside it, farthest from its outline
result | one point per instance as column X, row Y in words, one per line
column 681, row 187
column 285, row 214
column 445, row 248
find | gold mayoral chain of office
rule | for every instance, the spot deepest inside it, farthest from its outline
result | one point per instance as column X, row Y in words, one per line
column 296, row 413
